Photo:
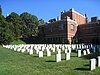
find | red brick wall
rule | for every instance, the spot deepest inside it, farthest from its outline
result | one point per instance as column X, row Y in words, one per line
column 66, row 14
column 55, row 28
column 71, row 33
column 88, row 33
column 78, row 18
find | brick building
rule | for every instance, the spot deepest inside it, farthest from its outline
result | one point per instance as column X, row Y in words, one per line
column 90, row 32
column 65, row 28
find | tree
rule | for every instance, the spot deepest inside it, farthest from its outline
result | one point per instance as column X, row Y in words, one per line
column 41, row 21
column 31, row 22
column 17, row 25
column 6, row 35
column 0, row 10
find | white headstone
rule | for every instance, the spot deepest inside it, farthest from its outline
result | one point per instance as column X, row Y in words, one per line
column 99, row 61
column 88, row 51
column 37, row 51
column 48, row 53
column 65, row 50
column 67, row 56
column 79, row 53
column 92, row 64
column 31, row 51
column 84, row 52
column 23, row 50
column 58, row 57
column 40, row 54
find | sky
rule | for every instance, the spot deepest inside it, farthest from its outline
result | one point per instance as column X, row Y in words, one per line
column 48, row 9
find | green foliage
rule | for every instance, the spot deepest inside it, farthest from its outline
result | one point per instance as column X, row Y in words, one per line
column 16, row 24
column 6, row 36
column 41, row 21
column 16, row 42
column 31, row 22
column 0, row 10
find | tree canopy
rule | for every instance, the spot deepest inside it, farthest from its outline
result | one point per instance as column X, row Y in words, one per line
column 31, row 22
column 14, row 26
column 6, row 35
column 0, row 10
column 17, row 25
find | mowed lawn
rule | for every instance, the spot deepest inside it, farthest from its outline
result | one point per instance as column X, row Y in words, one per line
column 15, row 63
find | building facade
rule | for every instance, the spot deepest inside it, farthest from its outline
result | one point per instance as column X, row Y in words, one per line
column 64, row 29
column 90, row 32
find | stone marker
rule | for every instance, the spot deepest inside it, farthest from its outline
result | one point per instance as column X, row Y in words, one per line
column 31, row 51
column 23, row 50
column 37, row 51
column 58, row 57
column 40, row 54
column 84, row 52
column 48, row 53
column 92, row 64
column 79, row 53
column 67, row 56
column 88, row 51
column 98, row 61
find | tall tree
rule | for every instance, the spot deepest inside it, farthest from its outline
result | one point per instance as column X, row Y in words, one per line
column 0, row 10
column 31, row 23
column 17, row 25
column 6, row 35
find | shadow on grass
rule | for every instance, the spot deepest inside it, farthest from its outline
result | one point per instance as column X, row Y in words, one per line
column 51, row 61
column 73, row 56
column 73, row 51
column 83, row 69
column 63, row 59
column 92, row 55
column 86, row 65
column 35, row 56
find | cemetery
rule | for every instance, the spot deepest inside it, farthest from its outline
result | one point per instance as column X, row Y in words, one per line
column 50, row 59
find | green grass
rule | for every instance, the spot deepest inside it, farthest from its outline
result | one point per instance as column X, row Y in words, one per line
column 16, row 42
column 15, row 63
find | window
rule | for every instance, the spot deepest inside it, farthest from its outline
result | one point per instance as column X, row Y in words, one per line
column 72, row 27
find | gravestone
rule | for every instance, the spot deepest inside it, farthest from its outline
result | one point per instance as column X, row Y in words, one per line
column 48, row 53
column 79, row 53
column 31, row 51
column 98, row 61
column 65, row 50
column 40, row 54
column 88, row 51
column 67, row 56
column 23, row 50
column 92, row 64
column 84, row 52
column 58, row 57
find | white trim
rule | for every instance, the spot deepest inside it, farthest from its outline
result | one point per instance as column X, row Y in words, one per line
column 78, row 13
column 68, row 19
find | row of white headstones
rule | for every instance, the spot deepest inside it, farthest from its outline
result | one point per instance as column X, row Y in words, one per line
column 40, row 48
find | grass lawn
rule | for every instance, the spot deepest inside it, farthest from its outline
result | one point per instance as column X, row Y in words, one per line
column 16, row 42
column 14, row 63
